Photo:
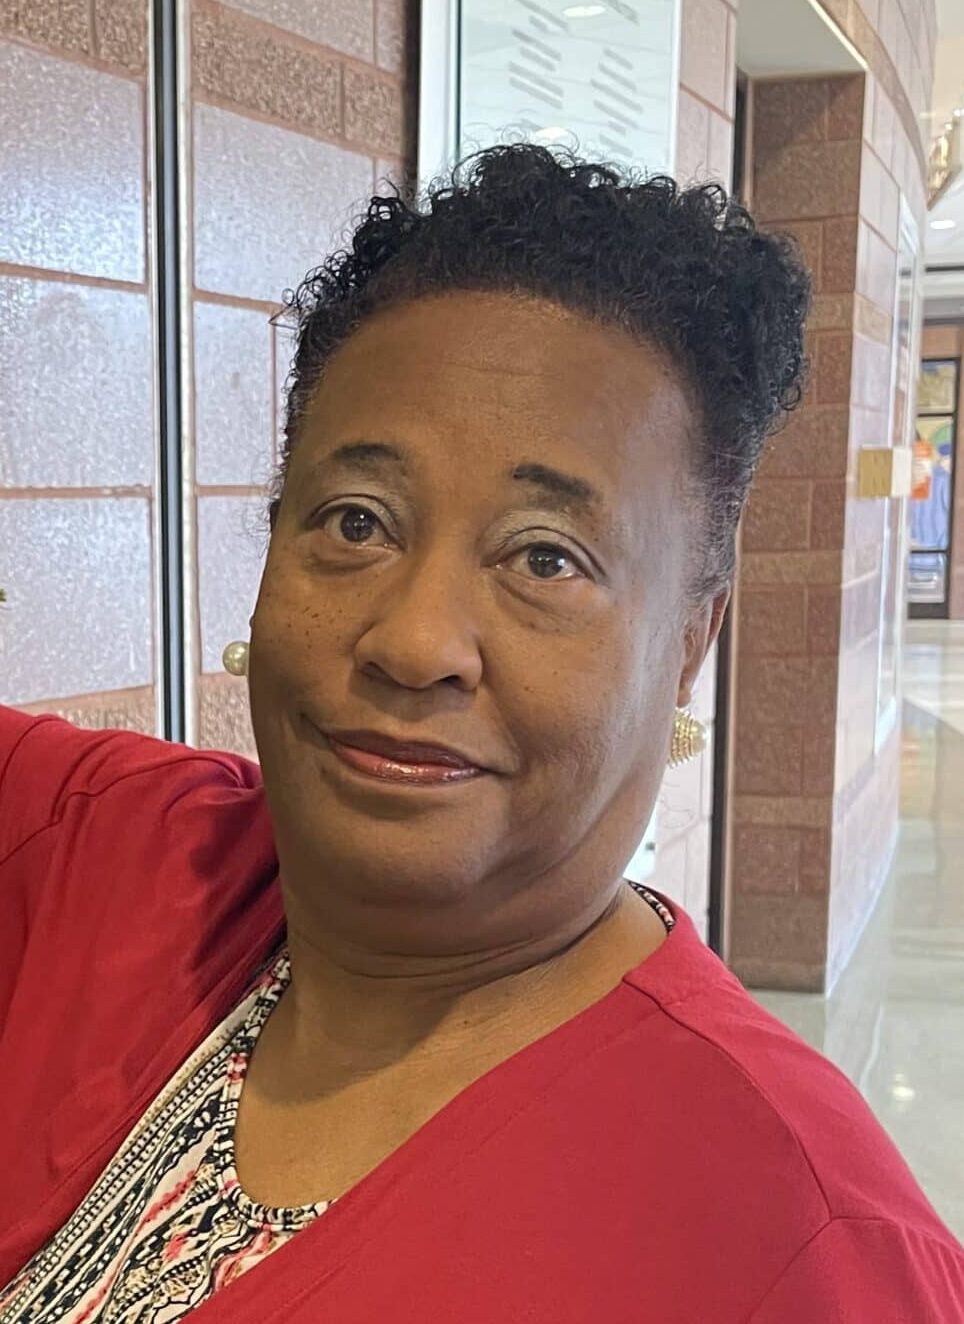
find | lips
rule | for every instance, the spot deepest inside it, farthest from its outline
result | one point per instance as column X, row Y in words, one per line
column 414, row 762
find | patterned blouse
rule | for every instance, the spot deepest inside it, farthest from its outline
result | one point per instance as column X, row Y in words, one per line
column 168, row 1224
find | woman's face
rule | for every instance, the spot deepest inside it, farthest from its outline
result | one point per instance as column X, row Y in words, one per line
column 485, row 541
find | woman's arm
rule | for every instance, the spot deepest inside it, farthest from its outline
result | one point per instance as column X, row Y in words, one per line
column 43, row 761
column 108, row 823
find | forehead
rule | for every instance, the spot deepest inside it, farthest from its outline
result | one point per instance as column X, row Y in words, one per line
column 490, row 375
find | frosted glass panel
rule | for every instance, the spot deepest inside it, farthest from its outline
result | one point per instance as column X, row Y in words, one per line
column 71, row 167
column 268, row 204
column 602, row 77
column 75, row 381
column 233, row 404
column 232, row 541
column 77, row 573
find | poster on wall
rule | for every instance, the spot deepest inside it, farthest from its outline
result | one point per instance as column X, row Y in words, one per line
column 599, row 78
column 930, row 512
column 937, row 386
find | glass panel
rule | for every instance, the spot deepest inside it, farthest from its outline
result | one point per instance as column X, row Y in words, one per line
column 270, row 201
column 932, row 494
column 79, row 589
column 603, row 77
column 232, row 540
column 907, row 318
column 76, row 380
column 234, row 407
column 72, row 167
column 257, row 226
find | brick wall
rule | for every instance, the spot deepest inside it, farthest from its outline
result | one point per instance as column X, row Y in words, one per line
column 815, row 794
column 704, row 150
column 707, row 93
column 76, row 429
column 296, row 111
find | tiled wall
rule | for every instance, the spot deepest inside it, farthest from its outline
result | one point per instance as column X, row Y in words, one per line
column 947, row 341
column 805, row 177
column 707, row 93
column 815, row 794
column 704, row 151
column 76, row 427
column 299, row 108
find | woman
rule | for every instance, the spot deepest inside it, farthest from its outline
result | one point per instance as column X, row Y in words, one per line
column 390, row 1038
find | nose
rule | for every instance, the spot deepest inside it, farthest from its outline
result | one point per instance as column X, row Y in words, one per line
column 423, row 630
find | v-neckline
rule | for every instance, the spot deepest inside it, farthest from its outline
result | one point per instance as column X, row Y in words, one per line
column 462, row 1126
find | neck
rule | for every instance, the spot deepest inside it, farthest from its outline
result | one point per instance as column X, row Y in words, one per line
column 351, row 1010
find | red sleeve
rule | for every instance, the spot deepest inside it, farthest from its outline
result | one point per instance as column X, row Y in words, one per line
column 34, row 766
column 77, row 806
column 859, row 1270
column 45, row 761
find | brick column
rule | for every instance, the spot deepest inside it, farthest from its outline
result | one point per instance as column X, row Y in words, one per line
column 806, row 170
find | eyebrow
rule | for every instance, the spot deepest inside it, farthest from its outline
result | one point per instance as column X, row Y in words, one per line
column 562, row 488
column 365, row 456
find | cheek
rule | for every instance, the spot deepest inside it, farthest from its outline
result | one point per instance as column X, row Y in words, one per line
column 297, row 631
column 593, row 707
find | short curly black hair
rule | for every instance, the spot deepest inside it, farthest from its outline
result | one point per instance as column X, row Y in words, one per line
column 684, row 269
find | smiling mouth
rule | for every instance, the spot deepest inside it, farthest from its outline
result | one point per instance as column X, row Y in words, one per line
column 404, row 771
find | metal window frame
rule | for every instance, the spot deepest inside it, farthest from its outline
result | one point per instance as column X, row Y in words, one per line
column 175, row 617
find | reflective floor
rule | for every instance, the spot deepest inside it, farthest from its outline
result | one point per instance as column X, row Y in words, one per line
column 895, row 1022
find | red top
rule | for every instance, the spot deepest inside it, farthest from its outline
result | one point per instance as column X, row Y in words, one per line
column 672, row 1154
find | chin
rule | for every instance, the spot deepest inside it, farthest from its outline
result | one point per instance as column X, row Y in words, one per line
column 416, row 854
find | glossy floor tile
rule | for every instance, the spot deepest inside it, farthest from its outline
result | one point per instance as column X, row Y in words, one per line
column 895, row 1021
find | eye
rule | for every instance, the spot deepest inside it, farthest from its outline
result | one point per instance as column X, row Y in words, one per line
column 355, row 525
column 546, row 561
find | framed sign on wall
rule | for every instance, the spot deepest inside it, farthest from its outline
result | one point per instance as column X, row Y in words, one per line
column 599, row 78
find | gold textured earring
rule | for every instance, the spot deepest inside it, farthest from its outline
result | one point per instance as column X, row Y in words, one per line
column 235, row 658
column 689, row 738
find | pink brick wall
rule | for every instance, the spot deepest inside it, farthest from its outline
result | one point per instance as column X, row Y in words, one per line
column 707, row 93
column 815, row 799
column 297, row 112
column 704, row 151
column 76, row 432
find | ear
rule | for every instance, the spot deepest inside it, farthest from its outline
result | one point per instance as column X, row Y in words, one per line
column 701, row 634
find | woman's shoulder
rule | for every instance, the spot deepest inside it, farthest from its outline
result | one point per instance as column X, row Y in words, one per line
column 45, row 762
column 771, row 1101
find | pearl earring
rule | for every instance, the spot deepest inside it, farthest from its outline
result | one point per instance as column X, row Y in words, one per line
column 235, row 658
column 689, row 738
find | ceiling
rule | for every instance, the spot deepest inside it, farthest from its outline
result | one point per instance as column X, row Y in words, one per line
column 944, row 255
column 944, row 247
column 792, row 37
column 796, row 36
column 950, row 18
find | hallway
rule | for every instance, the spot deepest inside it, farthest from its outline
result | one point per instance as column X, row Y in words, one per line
column 895, row 1022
